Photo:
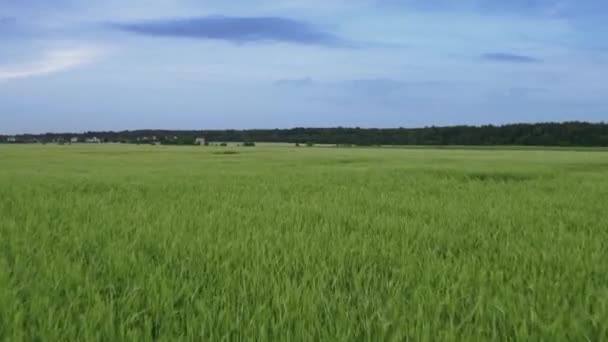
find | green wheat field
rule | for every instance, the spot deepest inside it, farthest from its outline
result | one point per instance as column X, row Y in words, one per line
column 276, row 243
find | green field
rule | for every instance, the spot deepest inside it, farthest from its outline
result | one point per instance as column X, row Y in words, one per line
column 114, row 243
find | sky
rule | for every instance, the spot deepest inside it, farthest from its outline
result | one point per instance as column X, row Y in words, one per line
column 79, row 65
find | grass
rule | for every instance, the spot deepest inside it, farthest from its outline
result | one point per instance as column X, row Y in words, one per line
column 111, row 243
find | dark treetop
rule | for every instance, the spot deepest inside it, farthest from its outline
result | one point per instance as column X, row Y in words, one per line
column 540, row 134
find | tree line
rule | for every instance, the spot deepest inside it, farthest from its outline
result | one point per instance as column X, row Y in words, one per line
column 538, row 134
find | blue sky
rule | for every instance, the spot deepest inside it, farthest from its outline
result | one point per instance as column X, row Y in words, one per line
column 76, row 65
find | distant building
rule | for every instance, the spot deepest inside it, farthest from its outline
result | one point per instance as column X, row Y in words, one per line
column 199, row 141
column 11, row 139
column 93, row 140
column 74, row 140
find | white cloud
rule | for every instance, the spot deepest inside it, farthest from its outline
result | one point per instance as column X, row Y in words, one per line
column 51, row 62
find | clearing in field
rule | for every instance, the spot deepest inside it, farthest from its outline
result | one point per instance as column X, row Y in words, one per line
column 276, row 243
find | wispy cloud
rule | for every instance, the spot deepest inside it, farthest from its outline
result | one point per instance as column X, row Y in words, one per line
column 52, row 62
column 509, row 58
column 295, row 82
column 7, row 23
column 235, row 29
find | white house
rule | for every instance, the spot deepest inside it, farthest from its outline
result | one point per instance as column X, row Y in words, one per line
column 199, row 141
column 93, row 140
column 74, row 140
column 11, row 139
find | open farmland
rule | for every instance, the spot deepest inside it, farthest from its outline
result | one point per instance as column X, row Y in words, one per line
column 115, row 243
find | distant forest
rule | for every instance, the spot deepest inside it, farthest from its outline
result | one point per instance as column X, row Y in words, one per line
column 540, row 134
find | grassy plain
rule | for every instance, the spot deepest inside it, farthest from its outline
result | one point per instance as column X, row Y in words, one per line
column 114, row 243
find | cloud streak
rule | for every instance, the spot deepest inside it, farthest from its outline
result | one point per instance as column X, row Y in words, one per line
column 234, row 29
column 7, row 23
column 510, row 58
column 52, row 62
column 295, row 82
